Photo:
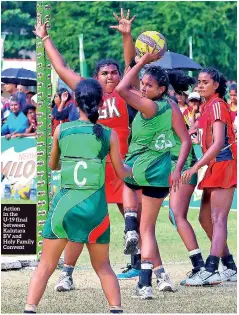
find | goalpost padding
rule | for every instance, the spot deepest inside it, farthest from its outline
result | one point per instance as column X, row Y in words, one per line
column 44, row 96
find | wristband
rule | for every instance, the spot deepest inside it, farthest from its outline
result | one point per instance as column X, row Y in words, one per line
column 47, row 36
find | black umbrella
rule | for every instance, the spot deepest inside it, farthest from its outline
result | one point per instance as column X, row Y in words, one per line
column 19, row 76
column 173, row 60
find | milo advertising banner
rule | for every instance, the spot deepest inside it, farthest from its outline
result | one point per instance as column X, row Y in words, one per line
column 18, row 170
column 18, row 196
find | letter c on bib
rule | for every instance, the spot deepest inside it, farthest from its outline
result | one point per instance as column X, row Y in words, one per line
column 83, row 182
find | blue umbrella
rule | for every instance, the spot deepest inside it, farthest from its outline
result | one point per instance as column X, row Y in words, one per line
column 173, row 60
column 19, row 76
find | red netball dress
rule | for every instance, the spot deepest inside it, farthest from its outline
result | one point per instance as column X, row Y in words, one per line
column 114, row 114
column 221, row 172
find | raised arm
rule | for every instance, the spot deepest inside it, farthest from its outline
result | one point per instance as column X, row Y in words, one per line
column 142, row 104
column 121, row 169
column 124, row 28
column 66, row 74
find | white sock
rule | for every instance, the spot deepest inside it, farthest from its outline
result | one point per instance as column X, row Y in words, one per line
column 194, row 252
column 31, row 307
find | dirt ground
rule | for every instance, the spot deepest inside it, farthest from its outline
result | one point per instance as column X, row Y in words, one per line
column 89, row 297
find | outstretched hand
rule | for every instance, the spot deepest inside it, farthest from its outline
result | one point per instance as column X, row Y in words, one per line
column 124, row 26
column 41, row 30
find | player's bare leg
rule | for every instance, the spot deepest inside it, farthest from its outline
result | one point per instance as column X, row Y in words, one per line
column 179, row 204
column 51, row 252
column 99, row 256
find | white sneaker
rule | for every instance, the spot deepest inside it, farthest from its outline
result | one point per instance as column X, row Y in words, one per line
column 164, row 282
column 131, row 242
column 228, row 274
column 144, row 293
column 64, row 283
column 202, row 277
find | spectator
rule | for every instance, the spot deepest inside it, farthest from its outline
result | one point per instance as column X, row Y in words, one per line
column 233, row 101
column 194, row 102
column 30, row 112
column 21, row 88
column 64, row 108
column 181, row 100
column 11, row 88
column 34, row 100
column 16, row 122
column 29, row 96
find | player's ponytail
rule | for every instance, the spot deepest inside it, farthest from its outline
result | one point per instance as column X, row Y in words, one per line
column 177, row 78
column 217, row 76
column 180, row 81
column 88, row 95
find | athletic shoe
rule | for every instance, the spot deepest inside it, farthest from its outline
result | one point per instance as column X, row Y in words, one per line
column 164, row 282
column 128, row 273
column 131, row 242
column 228, row 274
column 116, row 309
column 64, row 283
column 144, row 293
column 202, row 277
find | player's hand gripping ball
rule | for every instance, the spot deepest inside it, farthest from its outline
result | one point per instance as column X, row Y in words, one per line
column 146, row 42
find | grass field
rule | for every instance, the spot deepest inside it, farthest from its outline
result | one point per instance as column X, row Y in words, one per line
column 89, row 298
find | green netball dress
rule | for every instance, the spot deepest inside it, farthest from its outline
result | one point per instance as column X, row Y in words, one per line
column 149, row 150
column 79, row 211
column 191, row 159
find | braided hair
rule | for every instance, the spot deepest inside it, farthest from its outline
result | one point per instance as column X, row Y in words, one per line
column 177, row 78
column 105, row 62
column 88, row 94
column 217, row 76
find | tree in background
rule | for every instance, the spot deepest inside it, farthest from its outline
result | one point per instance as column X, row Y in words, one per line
column 212, row 24
column 18, row 20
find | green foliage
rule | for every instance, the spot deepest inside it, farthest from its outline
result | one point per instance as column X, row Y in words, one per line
column 212, row 24
column 18, row 20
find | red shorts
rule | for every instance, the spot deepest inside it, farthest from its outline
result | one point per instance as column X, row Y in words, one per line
column 220, row 175
column 113, row 185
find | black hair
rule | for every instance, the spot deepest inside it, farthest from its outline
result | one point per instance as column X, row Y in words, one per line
column 105, row 62
column 177, row 78
column 27, row 108
column 217, row 76
column 30, row 92
column 88, row 95
column 233, row 87
column 61, row 91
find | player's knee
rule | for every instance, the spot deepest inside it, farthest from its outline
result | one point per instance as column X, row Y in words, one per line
column 218, row 218
column 102, row 268
column 46, row 269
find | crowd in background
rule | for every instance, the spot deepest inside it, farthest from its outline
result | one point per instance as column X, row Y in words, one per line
column 19, row 108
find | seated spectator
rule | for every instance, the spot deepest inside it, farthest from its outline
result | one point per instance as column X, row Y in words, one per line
column 29, row 96
column 233, row 101
column 16, row 122
column 64, row 108
column 30, row 112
